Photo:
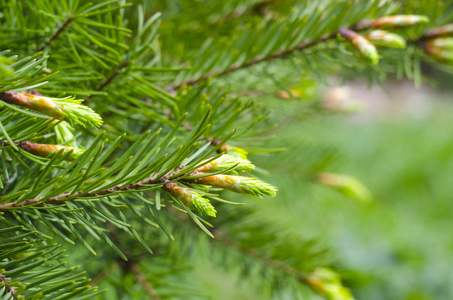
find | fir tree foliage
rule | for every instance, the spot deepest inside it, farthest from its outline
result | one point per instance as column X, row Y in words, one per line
column 112, row 128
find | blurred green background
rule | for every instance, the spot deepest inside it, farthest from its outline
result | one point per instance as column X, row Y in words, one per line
column 400, row 245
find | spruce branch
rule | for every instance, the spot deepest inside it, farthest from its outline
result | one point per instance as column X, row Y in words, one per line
column 190, row 198
column 398, row 21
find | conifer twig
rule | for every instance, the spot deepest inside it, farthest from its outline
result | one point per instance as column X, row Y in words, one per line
column 109, row 80
column 256, row 60
column 57, row 33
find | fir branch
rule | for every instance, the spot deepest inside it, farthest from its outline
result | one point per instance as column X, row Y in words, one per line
column 358, row 27
column 110, row 79
column 69, row 196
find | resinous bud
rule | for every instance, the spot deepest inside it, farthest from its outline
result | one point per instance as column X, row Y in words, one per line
column 386, row 39
column 239, row 184
column 441, row 55
column 45, row 150
column 365, row 49
column 398, row 21
column 191, row 199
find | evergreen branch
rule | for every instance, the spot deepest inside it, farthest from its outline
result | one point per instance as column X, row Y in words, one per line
column 111, row 78
column 57, row 33
column 238, row 184
column 363, row 25
column 106, row 272
column 69, row 196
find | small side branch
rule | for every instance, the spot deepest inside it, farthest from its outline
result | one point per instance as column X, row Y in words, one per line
column 57, row 33
column 115, row 74
column 254, row 61
column 111, row 78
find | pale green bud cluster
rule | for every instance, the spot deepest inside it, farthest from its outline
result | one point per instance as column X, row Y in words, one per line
column 328, row 283
column 76, row 113
column 364, row 48
column 226, row 162
column 346, row 185
column 441, row 43
column 64, row 134
column 237, row 152
column 364, row 43
column 255, row 187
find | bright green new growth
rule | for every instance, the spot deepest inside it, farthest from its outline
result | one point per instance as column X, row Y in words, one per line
column 237, row 152
column 191, row 199
column 76, row 113
column 227, row 162
column 254, row 187
column 64, row 134
column 202, row 205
